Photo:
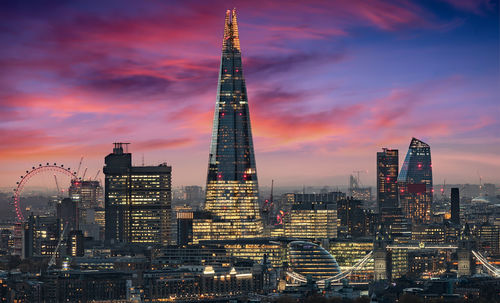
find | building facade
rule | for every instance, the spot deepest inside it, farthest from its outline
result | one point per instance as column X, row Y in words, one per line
column 387, row 175
column 137, row 200
column 232, row 187
column 415, row 183
column 311, row 221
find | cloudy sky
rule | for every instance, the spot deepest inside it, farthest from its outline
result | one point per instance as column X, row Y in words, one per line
column 329, row 82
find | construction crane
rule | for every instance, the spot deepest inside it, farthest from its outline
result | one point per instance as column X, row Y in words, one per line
column 57, row 185
column 97, row 174
column 52, row 260
column 443, row 189
column 79, row 166
column 84, row 173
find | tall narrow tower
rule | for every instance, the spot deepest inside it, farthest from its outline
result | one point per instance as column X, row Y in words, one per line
column 415, row 183
column 232, row 188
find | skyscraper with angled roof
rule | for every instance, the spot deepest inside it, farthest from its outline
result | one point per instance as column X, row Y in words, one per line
column 415, row 183
column 232, row 188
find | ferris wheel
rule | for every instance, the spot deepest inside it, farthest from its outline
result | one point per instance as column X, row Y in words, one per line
column 36, row 170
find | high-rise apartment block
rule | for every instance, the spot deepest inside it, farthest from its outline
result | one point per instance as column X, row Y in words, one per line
column 137, row 200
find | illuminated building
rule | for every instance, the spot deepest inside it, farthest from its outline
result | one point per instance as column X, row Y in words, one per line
column 311, row 260
column 137, row 201
column 427, row 263
column 232, row 188
column 415, row 183
column 348, row 252
column 86, row 193
column 312, row 199
column 255, row 249
column 487, row 236
column 41, row 234
column 434, row 233
column 312, row 221
column 75, row 243
column 387, row 175
column 455, row 206
column 211, row 283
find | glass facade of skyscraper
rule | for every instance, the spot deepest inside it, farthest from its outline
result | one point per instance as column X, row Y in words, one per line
column 232, row 188
column 415, row 183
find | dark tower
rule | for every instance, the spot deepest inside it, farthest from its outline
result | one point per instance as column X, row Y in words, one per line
column 137, row 201
column 415, row 183
column 387, row 175
column 455, row 206
column 232, row 188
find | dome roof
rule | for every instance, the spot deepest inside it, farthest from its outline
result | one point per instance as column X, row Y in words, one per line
column 309, row 259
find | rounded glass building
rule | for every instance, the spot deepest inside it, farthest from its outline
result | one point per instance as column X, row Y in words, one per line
column 309, row 259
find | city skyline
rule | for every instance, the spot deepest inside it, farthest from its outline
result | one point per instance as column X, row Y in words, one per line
column 328, row 111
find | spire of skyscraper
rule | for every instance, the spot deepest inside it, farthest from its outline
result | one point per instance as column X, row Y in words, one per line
column 232, row 188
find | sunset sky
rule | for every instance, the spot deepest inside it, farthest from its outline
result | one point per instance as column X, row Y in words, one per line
column 329, row 84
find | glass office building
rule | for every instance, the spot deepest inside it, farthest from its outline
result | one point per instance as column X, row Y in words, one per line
column 415, row 183
column 232, row 188
column 311, row 260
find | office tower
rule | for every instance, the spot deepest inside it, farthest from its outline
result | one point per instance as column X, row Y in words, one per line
column 86, row 193
column 184, row 227
column 415, row 183
column 455, row 206
column 387, row 175
column 232, row 188
column 41, row 235
column 289, row 200
column 352, row 220
column 312, row 221
column 137, row 200
column 67, row 213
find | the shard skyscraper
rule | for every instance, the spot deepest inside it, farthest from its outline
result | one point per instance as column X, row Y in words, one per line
column 232, row 188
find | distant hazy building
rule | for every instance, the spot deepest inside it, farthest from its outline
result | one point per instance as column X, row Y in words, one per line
column 357, row 191
column 137, row 201
column 67, row 213
column 415, row 183
column 455, row 205
column 193, row 194
column 86, row 193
